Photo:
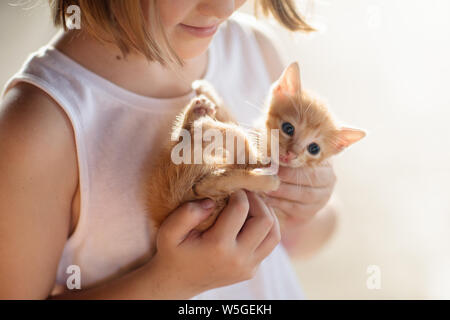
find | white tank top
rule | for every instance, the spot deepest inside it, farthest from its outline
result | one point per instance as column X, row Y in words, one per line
column 116, row 134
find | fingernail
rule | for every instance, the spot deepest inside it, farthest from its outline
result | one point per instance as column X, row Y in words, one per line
column 207, row 204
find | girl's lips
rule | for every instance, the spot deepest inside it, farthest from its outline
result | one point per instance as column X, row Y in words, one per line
column 201, row 32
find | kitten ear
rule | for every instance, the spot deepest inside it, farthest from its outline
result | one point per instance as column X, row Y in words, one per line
column 345, row 137
column 289, row 82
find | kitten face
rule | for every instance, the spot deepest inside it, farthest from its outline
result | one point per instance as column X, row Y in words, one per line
column 307, row 133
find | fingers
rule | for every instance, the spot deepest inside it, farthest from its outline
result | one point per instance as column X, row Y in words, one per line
column 231, row 219
column 258, row 224
column 295, row 210
column 271, row 241
column 179, row 223
column 321, row 176
column 303, row 194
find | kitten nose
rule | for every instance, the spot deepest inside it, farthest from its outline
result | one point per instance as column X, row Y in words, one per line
column 290, row 155
column 287, row 157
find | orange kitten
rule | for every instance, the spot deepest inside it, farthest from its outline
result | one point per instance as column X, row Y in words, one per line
column 307, row 137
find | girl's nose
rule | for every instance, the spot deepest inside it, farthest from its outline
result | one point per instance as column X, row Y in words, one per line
column 221, row 9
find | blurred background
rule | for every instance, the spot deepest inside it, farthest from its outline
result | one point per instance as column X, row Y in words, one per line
column 383, row 66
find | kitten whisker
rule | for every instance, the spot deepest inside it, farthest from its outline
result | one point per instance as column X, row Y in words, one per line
column 307, row 108
column 298, row 181
column 295, row 106
column 308, row 178
column 259, row 109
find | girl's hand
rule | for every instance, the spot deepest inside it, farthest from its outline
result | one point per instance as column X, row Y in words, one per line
column 230, row 251
column 303, row 192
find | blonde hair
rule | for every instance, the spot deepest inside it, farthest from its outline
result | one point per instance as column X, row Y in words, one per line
column 122, row 22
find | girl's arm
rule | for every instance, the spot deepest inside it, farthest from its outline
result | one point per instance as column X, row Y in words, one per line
column 38, row 178
column 304, row 240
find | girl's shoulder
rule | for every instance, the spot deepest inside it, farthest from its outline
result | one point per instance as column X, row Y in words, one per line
column 34, row 127
column 265, row 36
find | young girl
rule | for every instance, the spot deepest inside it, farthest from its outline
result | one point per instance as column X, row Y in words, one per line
column 84, row 118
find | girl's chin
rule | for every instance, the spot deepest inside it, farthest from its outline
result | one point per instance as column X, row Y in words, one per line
column 192, row 51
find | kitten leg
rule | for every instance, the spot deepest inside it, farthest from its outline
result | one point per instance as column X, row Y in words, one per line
column 224, row 182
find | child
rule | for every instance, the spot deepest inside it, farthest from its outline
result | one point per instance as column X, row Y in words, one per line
column 82, row 121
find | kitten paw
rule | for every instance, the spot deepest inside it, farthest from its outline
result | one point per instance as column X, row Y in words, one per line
column 202, row 106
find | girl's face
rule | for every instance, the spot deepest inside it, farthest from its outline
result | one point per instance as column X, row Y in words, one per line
column 191, row 24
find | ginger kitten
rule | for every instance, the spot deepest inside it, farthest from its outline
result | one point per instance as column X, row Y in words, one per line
column 307, row 136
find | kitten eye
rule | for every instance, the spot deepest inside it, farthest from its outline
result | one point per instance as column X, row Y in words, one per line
column 313, row 148
column 288, row 128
